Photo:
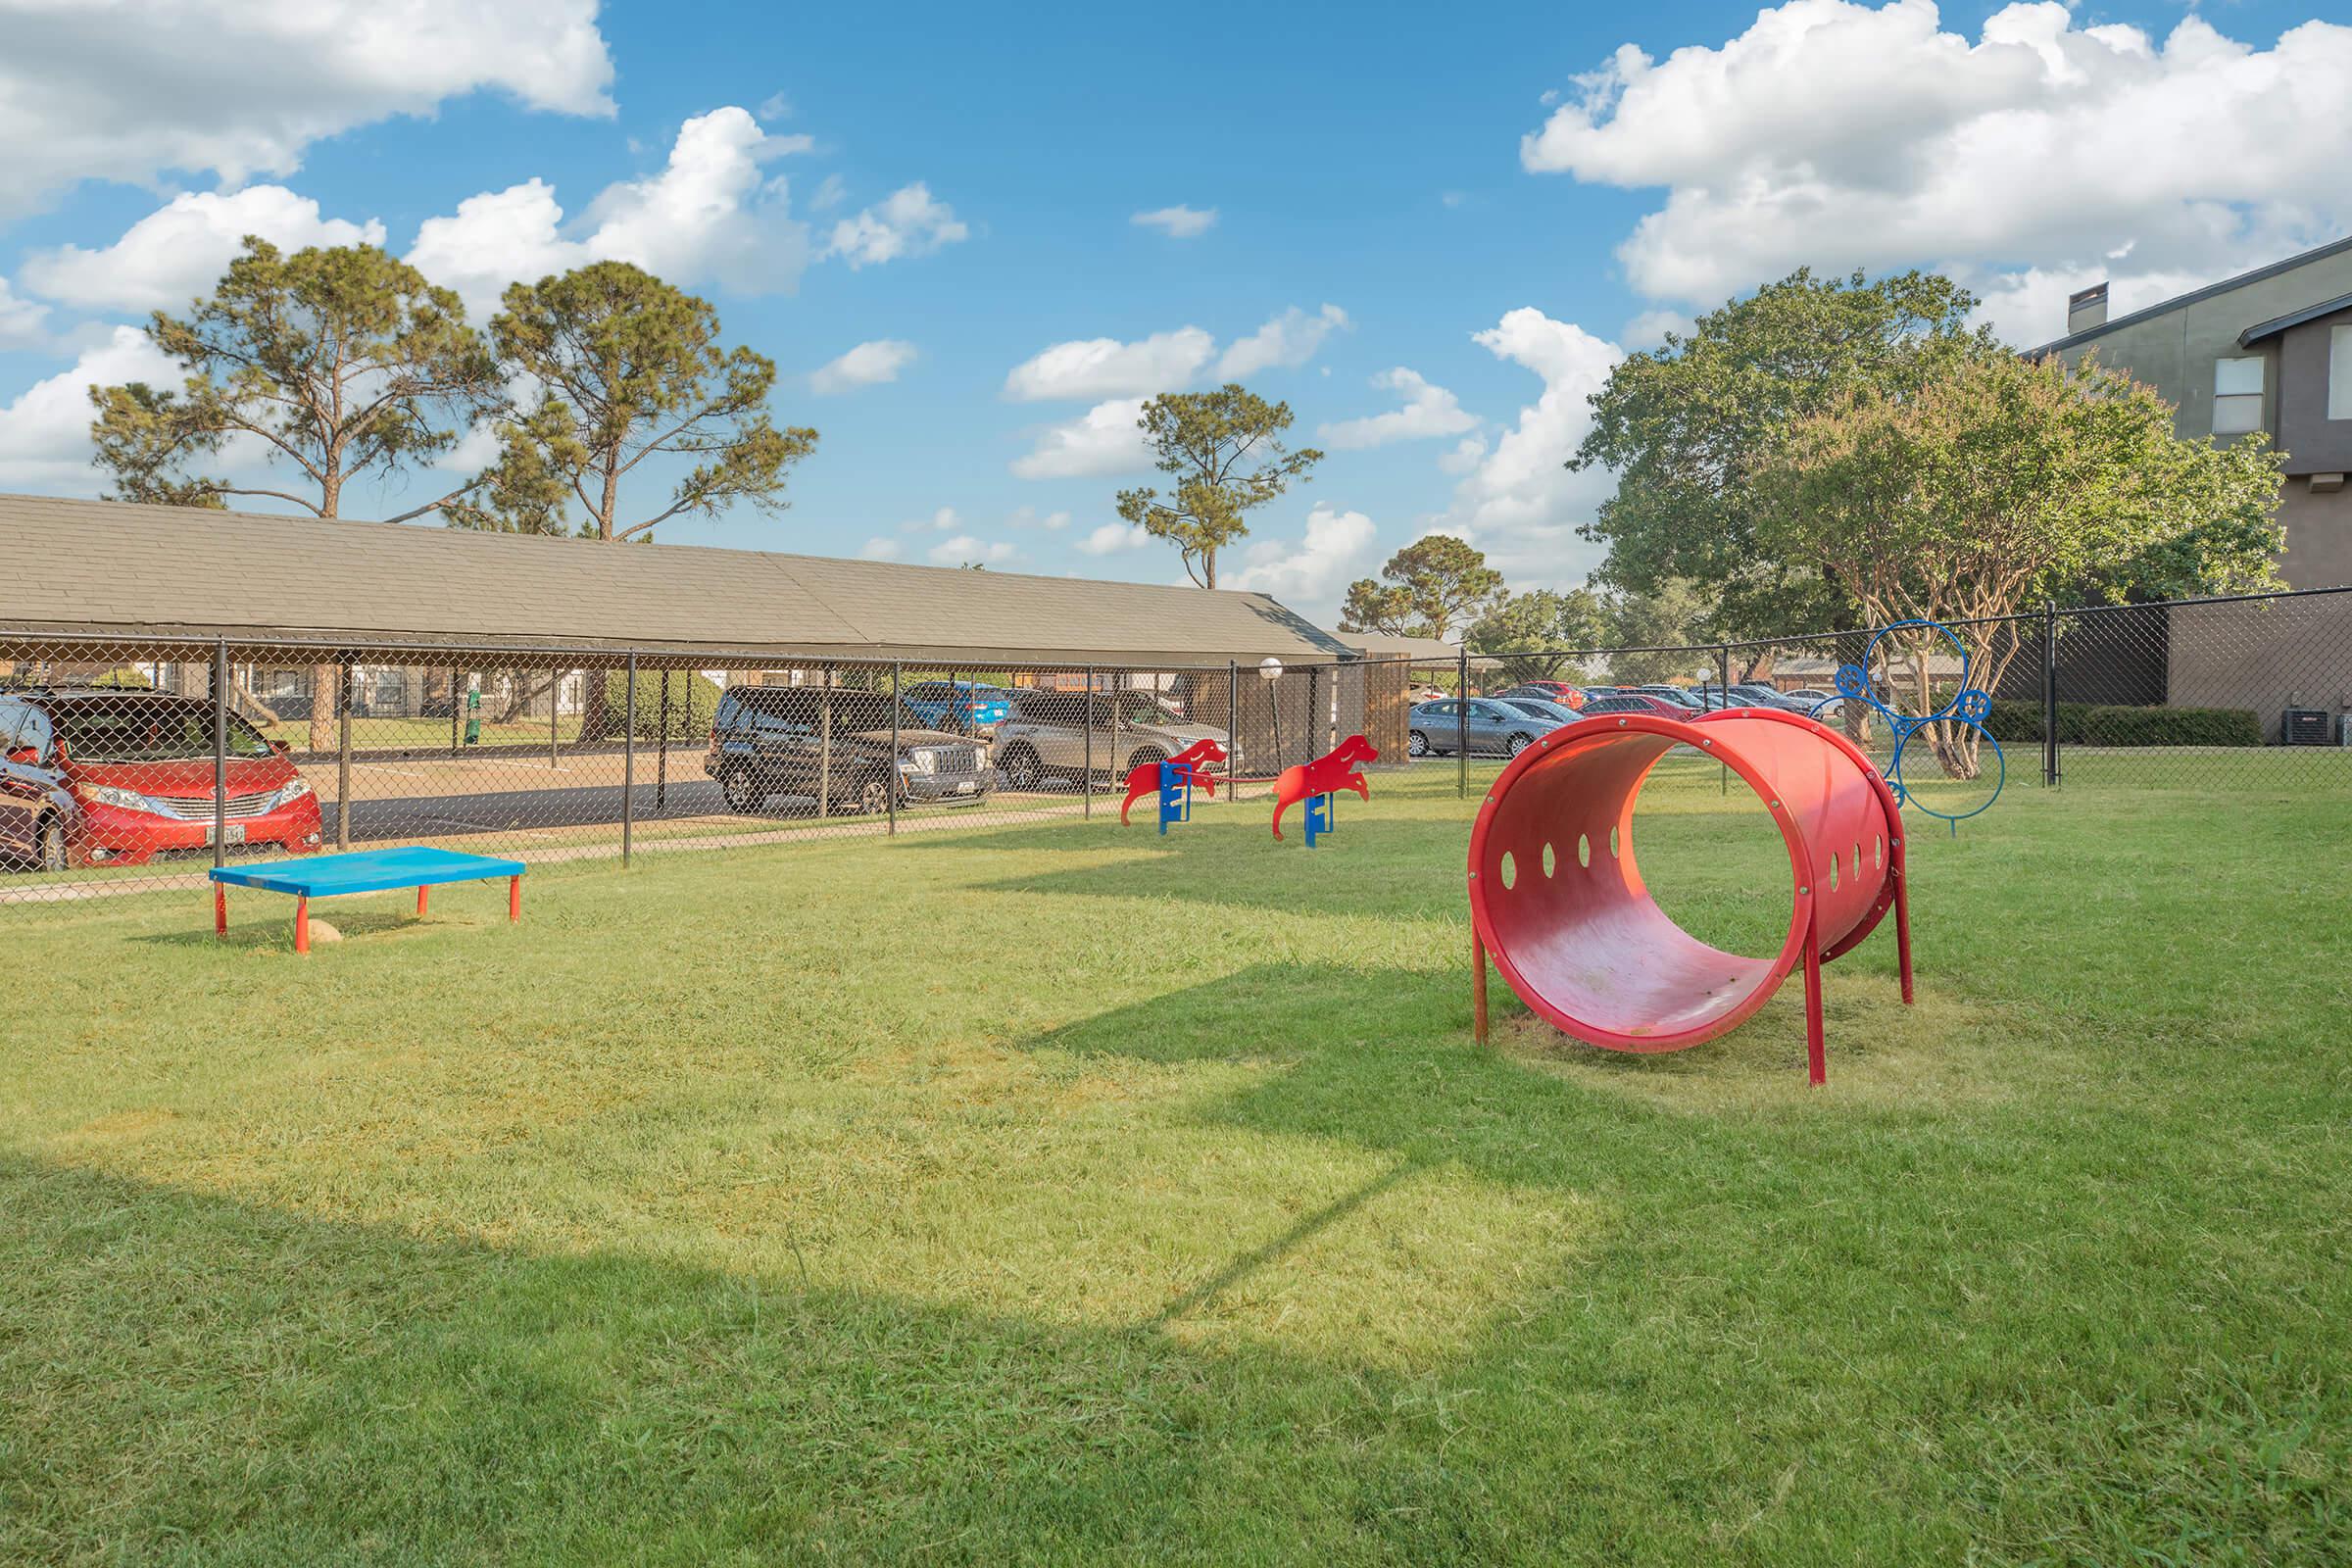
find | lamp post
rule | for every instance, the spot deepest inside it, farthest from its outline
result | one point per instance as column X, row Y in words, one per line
column 1269, row 669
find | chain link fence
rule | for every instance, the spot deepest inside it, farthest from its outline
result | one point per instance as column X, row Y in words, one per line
column 138, row 763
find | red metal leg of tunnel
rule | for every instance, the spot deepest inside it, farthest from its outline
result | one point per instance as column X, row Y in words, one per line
column 1587, row 949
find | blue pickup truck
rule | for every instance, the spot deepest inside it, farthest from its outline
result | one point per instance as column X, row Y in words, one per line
column 963, row 707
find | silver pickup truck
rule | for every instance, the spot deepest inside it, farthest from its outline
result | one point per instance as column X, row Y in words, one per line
column 1050, row 734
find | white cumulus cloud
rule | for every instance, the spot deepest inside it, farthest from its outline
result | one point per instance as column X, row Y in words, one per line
column 1287, row 340
column 1110, row 538
column 1842, row 134
column 1178, row 222
column 1309, row 572
column 23, row 321
column 242, row 87
column 1429, row 410
column 879, row 550
column 1106, row 368
column 910, row 222
column 711, row 213
column 1517, row 502
column 971, row 550
column 1104, row 440
column 866, row 364
column 178, row 251
column 45, row 433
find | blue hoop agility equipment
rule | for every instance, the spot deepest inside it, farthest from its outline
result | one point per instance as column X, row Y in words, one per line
column 1967, row 706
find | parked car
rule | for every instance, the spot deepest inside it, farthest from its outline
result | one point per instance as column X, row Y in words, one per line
column 1636, row 702
column 1804, row 699
column 1673, row 694
column 1059, row 735
column 773, row 740
column 1540, row 708
column 1557, row 691
column 1545, row 691
column 92, row 776
column 1490, row 724
column 960, row 706
column 1741, row 694
column 1425, row 693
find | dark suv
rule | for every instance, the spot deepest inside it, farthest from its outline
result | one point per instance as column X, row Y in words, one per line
column 772, row 740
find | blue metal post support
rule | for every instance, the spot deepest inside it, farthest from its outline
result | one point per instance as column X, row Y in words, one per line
column 1318, row 818
column 1175, row 797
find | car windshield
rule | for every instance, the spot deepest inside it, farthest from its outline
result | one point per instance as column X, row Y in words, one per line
column 146, row 728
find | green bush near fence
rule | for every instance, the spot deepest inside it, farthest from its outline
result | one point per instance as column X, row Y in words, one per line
column 693, row 704
column 2103, row 724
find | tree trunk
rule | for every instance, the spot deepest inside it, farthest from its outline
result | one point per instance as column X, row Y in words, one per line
column 323, row 707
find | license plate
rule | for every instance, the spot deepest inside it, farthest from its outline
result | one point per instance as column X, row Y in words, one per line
column 965, row 787
column 232, row 833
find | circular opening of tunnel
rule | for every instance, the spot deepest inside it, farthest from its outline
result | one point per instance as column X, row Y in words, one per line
column 1712, row 859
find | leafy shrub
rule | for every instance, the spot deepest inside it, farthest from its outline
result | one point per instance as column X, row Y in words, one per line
column 2101, row 724
column 693, row 704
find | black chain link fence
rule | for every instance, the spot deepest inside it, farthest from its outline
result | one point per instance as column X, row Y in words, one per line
column 138, row 763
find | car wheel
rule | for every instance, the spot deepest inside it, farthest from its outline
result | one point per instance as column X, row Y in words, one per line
column 872, row 798
column 49, row 845
column 1416, row 744
column 741, row 791
column 1520, row 743
column 1020, row 769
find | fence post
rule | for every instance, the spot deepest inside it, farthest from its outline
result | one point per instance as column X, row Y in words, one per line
column 554, row 712
column 343, row 755
column 1233, row 724
column 628, row 762
column 1461, row 726
column 1086, row 723
column 824, row 748
column 890, row 795
column 220, row 751
column 1723, row 672
column 2049, row 694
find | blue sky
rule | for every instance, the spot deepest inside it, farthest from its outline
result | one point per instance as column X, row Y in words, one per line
column 1453, row 218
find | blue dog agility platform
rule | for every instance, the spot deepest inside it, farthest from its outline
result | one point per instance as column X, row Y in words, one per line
column 412, row 865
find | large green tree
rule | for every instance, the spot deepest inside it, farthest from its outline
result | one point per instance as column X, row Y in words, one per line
column 1999, row 483
column 619, row 369
column 1652, row 633
column 1540, row 634
column 1225, row 454
column 332, row 364
column 1430, row 587
column 1685, row 426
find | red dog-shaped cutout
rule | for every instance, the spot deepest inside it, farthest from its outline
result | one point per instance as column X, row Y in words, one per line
column 1194, row 761
column 1323, row 776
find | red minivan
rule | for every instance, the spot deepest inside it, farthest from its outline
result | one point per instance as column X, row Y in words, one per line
column 99, row 777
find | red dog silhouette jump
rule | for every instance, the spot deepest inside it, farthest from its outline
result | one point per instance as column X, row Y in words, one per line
column 1194, row 761
column 1323, row 776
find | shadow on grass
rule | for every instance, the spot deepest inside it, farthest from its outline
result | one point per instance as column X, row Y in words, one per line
column 190, row 1373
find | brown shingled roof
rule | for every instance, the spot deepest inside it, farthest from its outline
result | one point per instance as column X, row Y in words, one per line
column 122, row 568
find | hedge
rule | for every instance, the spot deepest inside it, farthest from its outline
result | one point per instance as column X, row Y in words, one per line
column 2101, row 724
column 693, row 704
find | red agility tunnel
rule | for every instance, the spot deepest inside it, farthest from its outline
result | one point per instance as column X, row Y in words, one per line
column 1585, row 945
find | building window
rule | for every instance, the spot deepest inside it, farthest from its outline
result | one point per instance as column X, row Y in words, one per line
column 2340, row 372
column 2236, row 395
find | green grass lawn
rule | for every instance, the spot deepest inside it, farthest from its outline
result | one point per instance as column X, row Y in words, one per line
column 1064, row 1193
